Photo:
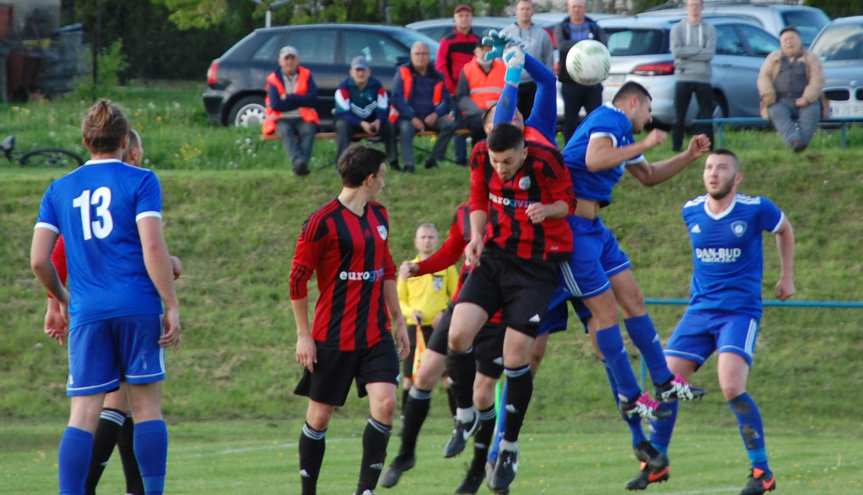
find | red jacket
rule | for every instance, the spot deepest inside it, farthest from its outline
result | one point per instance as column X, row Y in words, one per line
column 455, row 50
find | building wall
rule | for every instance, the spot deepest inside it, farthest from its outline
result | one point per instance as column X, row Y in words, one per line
column 32, row 19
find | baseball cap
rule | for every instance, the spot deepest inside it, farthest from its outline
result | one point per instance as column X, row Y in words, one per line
column 462, row 6
column 288, row 50
column 359, row 62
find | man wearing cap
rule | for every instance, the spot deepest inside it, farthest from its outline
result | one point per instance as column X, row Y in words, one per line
column 537, row 44
column 362, row 105
column 454, row 52
column 421, row 102
column 290, row 101
column 479, row 87
column 790, row 84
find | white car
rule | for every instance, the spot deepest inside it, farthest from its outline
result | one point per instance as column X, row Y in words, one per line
column 840, row 46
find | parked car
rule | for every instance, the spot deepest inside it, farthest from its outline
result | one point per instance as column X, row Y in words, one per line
column 840, row 46
column 640, row 52
column 440, row 27
column 235, row 81
column 771, row 17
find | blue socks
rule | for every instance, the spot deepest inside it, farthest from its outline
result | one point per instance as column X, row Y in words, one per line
column 643, row 334
column 617, row 360
column 751, row 429
column 633, row 423
column 151, row 450
column 662, row 428
column 73, row 458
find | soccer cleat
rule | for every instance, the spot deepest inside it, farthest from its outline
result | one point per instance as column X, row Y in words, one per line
column 365, row 492
column 397, row 468
column 460, row 435
column 678, row 389
column 472, row 481
column 655, row 467
column 759, row 482
column 643, row 407
column 504, row 471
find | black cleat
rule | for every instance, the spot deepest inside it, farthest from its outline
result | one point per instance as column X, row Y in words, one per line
column 472, row 481
column 678, row 389
column 504, row 471
column 759, row 482
column 397, row 468
column 644, row 407
column 655, row 467
column 460, row 435
column 430, row 163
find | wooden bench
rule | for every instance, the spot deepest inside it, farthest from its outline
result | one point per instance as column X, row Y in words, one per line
column 719, row 124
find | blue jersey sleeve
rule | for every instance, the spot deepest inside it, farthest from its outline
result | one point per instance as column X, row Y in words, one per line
column 148, row 198
column 47, row 216
column 543, row 115
column 769, row 215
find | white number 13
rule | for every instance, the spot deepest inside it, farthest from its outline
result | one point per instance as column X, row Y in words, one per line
column 101, row 199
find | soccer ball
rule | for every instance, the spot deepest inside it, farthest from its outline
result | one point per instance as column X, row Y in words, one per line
column 588, row 62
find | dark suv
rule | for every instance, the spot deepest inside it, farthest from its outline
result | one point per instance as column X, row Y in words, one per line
column 235, row 81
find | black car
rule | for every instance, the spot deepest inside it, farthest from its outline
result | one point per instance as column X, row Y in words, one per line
column 235, row 81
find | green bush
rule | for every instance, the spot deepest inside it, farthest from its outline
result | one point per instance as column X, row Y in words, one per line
column 111, row 63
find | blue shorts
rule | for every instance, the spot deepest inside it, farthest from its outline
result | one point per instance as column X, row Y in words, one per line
column 596, row 257
column 556, row 317
column 103, row 352
column 700, row 333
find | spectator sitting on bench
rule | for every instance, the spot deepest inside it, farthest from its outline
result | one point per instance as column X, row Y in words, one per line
column 479, row 87
column 362, row 106
column 790, row 84
column 421, row 103
column 290, row 100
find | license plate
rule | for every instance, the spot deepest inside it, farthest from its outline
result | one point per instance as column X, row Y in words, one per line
column 846, row 109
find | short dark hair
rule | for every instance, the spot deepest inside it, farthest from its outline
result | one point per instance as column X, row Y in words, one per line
column 505, row 137
column 632, row 88
column 727, row 152
column 358, row 162
column 786, row 29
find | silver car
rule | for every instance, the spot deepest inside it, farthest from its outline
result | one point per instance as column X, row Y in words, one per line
column 840, row 46
column 640, row 52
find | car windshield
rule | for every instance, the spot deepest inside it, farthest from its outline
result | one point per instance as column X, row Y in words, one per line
column 842, row 42
column 624, row 42
column 408, row 37
column 807, row 22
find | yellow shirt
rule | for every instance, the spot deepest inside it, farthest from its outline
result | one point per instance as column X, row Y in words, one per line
column 428, row 294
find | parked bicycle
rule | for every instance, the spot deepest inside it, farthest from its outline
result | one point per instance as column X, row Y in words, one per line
column 40, row 157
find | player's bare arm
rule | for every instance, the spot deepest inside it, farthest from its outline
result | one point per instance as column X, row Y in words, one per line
column 651, row 174
column 40, row 263
column 159, row 268
column 408, row 269
column 474, row 248
column 539, row 212
column 391, row 297
column 785, row 245
column 306, row 354
column 603, row 155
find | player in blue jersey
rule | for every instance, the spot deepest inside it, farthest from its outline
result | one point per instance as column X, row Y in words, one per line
column 599, row 272
column 120, row 274
column 724, row 311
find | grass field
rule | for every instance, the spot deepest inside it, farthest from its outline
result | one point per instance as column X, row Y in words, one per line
column 233, row 211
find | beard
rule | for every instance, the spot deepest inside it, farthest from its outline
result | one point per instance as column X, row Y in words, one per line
column 724, row 190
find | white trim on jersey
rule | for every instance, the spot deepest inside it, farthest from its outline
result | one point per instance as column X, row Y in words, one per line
column 751, row 334
column 74, row 389
column 147, row 214
column 161, row 367
column 722, row 214
column 744, row 351
column 46, row 226
column 779, row 223
column 598, row 135
column 695, row 201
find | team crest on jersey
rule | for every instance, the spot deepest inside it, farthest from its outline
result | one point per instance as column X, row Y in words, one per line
column 739, row 228
column 382, row 230
column 524, row 183
column 437, row 282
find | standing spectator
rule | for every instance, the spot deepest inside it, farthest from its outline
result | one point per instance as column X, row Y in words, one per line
column 291, row 96
column 790, row 84
column 577, row 27
column 536, row 43
column 362, row 105
column 693, row 44
column 454, row 52
column 421, row 102
column 479, row 87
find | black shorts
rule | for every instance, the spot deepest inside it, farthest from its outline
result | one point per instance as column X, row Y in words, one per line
column 488, row 344
column 335, row 370
column 520, row 288
column 408, row 364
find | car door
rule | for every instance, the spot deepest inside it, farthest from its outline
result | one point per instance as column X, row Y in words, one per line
column 735, row 73
column 317, row 49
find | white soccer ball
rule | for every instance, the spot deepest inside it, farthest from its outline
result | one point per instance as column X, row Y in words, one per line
column 588, row 62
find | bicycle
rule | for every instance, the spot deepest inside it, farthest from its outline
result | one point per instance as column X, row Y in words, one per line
column 39, row 157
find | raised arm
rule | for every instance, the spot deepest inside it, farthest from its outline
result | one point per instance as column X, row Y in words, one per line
column 785, row 245
column 651, row 174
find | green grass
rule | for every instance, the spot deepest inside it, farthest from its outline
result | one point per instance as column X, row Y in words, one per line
column 585, row 457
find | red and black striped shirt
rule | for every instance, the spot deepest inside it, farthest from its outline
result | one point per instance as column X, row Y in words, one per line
column 542, row 179
column 352, row 259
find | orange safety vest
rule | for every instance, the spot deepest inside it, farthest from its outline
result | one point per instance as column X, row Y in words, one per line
column 308, row 114
column 485, row 89
column 408, row 86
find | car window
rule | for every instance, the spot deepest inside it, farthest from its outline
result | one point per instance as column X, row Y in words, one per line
column 408, row 37
column 760, row 41
column 808, row 22
column 436, row 32
column 627, row 42
column 728, row 42
column 268, row 50
column 316, row 46
column 843, row 42
column 379, row 49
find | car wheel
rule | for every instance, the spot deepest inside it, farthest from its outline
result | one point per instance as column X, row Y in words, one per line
column 247, row 112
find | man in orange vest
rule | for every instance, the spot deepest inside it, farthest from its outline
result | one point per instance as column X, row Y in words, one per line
column 479, row 87
column 291, row 96
column 421, row 103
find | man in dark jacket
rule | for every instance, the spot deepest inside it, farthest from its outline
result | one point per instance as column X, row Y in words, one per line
column 577, row 27
column 421, row 102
